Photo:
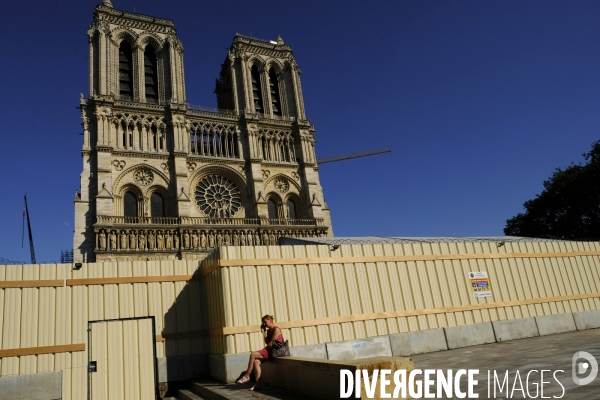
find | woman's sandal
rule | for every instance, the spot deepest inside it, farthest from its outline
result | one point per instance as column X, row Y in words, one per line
column 242, row 380
column 256, row 387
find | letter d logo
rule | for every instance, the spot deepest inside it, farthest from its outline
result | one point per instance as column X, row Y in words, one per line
column 582, row 367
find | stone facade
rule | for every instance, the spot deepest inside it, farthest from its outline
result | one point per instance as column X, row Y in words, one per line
column 165, row 180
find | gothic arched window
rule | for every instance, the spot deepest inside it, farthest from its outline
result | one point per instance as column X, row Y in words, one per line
column 150, row 75
column 272, row 206
column 161, row 140
column 157, row 205
column 154, row 134
column 256, row 90
column 130, row 205
column 291, row 206
column 125, row 71
column 275, row 100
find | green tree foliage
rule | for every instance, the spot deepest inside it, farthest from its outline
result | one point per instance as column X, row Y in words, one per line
column 569, row 206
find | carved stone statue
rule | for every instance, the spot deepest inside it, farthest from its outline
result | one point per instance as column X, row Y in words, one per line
column 176, row 241
column 256, row 239
column 195, row 240
column 160, row 241
column 141, row 241
column 236, row 239
column 242, row 238
column 265, row 238
column 219, row 238
column 203, row 240
column 272, row 239
column 169, row 244
column 151, row 241
column 102, row 241
column 132, row 241
column 123, row 240
column 113, row 240
column 211, row 239
column 186, row 239
column 227, row 238
column 250, row 238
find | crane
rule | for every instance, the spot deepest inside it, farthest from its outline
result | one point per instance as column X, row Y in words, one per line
column 353, row 155
column 26, row 212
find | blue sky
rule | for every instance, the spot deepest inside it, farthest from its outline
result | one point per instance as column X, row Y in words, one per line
column 479, row 100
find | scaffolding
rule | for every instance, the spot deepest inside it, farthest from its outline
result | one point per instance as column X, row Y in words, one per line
column 66, row 257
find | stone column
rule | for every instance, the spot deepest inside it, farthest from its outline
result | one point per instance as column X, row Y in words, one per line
column 103, row 56
column 266, row 89
column 246, row 82
column 296, row 95
column 181, row 73
column 297, row 72
column 173, row 70
column 139, row 90
column 236, row 104
column 282, row 95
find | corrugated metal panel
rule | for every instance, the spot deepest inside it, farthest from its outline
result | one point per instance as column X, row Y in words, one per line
column 123, row 351
column 297, row 292
column 99, row 353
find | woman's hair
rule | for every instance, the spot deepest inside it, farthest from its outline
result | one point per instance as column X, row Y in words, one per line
column 269, row 317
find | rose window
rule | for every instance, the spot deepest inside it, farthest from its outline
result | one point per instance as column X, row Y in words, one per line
column 281, row 184
column 217, row 197
column 143, row 176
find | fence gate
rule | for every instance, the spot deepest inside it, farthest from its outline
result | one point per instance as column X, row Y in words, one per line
column 122, row 359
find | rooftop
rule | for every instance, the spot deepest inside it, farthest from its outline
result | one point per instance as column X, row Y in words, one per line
column 395, row 239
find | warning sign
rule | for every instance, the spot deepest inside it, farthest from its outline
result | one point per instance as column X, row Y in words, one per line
column 480, row 284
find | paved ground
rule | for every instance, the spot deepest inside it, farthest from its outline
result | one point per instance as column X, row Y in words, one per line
column 241, row 392
column 553, row 353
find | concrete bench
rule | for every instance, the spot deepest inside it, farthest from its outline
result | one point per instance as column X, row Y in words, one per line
column 320, row 379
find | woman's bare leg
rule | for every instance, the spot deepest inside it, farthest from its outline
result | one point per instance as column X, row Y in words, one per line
column 257, row 370
column 254, row 356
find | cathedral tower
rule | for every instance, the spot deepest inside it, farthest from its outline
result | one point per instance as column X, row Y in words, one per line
column 162, row 179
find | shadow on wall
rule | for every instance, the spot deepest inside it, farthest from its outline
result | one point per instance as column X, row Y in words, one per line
column 187, row 324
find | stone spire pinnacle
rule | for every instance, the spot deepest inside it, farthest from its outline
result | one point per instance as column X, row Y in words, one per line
column 279, row 40
column 107, row 3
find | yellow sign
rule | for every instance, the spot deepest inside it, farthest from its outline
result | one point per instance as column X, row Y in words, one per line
column 480, row 284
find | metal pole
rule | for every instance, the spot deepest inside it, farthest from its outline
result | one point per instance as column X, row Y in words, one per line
column 31, row 249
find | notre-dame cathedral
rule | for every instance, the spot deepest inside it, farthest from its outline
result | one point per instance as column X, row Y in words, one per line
column 164, row 180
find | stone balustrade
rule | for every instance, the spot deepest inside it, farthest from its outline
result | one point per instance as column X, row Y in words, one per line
column 117, row 234
column 120, row 220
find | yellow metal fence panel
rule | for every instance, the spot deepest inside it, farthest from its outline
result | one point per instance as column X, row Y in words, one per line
column 123, row 350
column 344, row 299
column 99, row 354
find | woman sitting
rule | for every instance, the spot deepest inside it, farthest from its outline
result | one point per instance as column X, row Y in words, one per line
column 271, row 333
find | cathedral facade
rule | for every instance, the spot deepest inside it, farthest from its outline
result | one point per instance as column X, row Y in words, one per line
column 165, row 180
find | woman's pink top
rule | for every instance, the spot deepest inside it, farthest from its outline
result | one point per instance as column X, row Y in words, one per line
column 265, row 352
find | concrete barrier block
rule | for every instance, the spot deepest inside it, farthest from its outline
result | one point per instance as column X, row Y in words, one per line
column 320, row 379
column 469, row 335
column 377, row 346
column 42, row 386
column 419, row 342
column 515, row 329
column 551, row 324
column 587, row 319
column 227, row 367
column 317, row 351
column 180, row 368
